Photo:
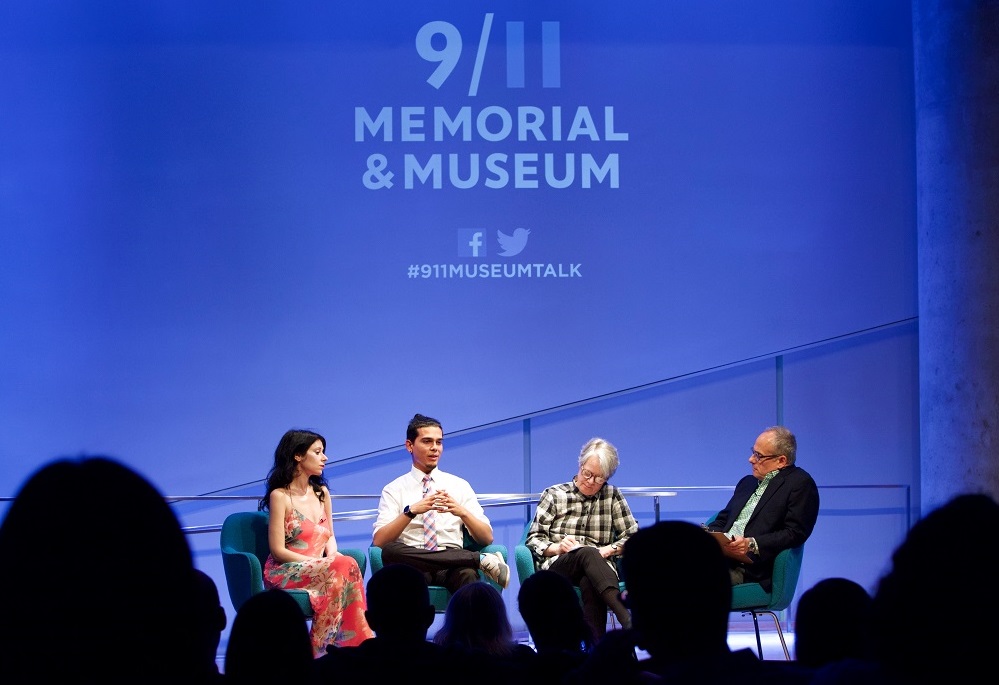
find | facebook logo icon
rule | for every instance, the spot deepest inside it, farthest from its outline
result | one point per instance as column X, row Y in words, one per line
column 471, row 242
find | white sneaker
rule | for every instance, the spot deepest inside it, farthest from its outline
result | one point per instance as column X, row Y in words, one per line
column 492, row 565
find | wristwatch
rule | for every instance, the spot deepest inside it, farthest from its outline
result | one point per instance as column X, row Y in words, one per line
column 753, row 547
column 408, row 512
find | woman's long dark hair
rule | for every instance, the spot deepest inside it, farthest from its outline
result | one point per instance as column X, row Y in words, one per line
column 293, row 443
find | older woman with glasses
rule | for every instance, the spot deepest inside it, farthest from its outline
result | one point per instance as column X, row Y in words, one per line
column 578, row 530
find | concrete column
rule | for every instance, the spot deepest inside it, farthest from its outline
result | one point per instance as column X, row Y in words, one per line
column 956, row 49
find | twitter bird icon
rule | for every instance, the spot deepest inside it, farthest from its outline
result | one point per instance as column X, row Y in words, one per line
column 513, row 244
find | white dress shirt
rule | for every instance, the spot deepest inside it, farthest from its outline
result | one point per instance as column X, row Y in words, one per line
column 407, row 490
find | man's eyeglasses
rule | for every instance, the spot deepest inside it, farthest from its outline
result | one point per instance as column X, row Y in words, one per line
column 764, row 457
column 589, row 475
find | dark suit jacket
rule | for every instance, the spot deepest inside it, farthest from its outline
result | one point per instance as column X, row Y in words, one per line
column 783, row 518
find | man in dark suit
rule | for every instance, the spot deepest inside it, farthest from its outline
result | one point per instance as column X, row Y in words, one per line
column 771, row 510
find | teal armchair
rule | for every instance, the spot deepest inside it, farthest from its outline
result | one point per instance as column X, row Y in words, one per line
column 244, row 552
column 751, row 598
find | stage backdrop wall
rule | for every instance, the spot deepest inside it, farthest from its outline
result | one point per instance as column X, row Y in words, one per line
column 668, row 223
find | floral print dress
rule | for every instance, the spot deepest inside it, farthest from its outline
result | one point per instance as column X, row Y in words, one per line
column 335, row 585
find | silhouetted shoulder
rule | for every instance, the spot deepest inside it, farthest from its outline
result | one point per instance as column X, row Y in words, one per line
column 741, row 667
column 389, row 660
column 853, row 672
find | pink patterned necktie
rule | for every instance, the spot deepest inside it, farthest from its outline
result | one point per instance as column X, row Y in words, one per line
column 429, row 524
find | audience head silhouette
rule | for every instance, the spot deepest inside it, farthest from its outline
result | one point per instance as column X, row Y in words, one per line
column 476, row 619
column 400, row 614
column 211, row 621
column 478, row 637
column 550, row 607
column 912, row 644
column 399, row 605
column 117, row 581
column 679, row 590
column 680, row 595
column 832, row 622
column 269, row 641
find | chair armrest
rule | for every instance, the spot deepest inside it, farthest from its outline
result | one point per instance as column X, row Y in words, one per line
column 243, row 575
column 787, row 568
column 375, row 557
column 358, row 556
column 525, row 562
column 496, row 549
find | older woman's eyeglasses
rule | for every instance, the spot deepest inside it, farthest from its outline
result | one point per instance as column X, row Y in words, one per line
column 589, row 475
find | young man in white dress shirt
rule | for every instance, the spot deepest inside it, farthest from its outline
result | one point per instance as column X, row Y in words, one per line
column 426, row 497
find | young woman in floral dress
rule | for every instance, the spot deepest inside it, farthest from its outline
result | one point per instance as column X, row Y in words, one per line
column 303, row 548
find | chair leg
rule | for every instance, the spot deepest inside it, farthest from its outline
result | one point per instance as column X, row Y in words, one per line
column 759, row 642
column 780, row 633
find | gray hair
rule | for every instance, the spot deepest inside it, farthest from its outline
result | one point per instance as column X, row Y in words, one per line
column 605, row 453
column 784, row 442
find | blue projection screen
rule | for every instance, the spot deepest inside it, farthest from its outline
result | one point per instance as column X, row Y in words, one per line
column 221, row 219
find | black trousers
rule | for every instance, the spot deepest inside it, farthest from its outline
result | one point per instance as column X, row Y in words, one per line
column 450, row 567
column 586, row 568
